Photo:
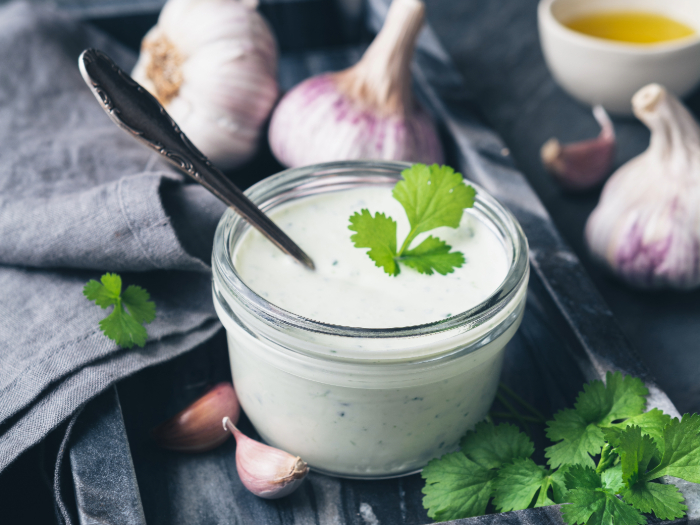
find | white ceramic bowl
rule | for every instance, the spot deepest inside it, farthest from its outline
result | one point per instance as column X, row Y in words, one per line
column 600, row 71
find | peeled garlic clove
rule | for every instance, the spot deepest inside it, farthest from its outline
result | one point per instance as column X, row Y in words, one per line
column 364, row 112
column 582, row 165
column 213, row 65
column 266, row 471
column 198, row 427
column 646, row 227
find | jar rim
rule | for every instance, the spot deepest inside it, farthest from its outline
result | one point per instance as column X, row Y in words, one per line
column 319, row 177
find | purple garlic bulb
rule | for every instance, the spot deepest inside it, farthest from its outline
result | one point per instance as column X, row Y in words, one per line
column 364, row 112
column 646, row 227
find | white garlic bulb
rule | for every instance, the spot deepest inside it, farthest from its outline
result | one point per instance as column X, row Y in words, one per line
column 646, row 227
column 364, row 112
column 213, row 66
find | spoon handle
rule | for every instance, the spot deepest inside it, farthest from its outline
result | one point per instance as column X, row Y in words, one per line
column 137, row 112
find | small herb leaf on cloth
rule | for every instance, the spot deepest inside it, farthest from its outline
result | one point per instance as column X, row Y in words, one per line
column 432, row 196
column 131, row 309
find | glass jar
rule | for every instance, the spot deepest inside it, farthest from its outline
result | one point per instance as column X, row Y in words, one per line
column 355, row 402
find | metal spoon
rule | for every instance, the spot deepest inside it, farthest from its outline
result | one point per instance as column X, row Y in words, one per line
column 136, row 111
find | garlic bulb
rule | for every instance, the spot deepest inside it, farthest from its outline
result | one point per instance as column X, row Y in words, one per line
column 364, row 112
column 646, row 226
column 267, row 472
column 213, row 65
column 582, row 165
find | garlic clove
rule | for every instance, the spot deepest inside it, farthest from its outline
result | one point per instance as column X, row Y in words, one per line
column 365, row 112
column 197, row 428
column 267, row 472
column 213, row 65
column 582, row 165
column 645, row 227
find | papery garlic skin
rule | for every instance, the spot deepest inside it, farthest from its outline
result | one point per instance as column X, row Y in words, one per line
column 336, row 127
column 213, row 65
column 364, row 112
column 266, row 471
column 646, row 227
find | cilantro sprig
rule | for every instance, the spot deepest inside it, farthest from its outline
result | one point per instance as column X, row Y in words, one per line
column 633, row 449
column 432, row 196
column 132, row 308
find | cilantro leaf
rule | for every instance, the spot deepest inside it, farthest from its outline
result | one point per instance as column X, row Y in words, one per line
column 621, row 397
column 665, row 501
column 460, row 485
column 636, row 452
column 558, row 483
column 432, row 196
column 612, row 479
column 652, row 423
column 433, row 254
column 456, row 487
column 492, row 446
column 122, row 326
column 578, row 430
column 681, row 457
column 582, row 477
column 599, row 507
column 123, row 329
column 379, row 234
column 579, row 440
column 517, row 484
column 593, row 501
column 105, row 293
column 136, row 299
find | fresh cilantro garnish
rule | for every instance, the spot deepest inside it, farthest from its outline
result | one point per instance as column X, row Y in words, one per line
column 492, row 445
column 432, row 196
column 456, row 487
column 593, row 500
column 633, row 450
column 124, row 326
column 681, row 456
column 460, row 485
column 518, row 483
column 578, row 430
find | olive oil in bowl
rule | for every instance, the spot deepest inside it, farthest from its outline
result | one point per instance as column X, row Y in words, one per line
column 632, row 27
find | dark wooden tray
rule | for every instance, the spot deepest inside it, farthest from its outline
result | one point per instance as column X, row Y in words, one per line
column 568, row 336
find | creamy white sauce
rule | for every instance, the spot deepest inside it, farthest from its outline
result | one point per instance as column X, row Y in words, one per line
column 363, row 406
column 347, row 288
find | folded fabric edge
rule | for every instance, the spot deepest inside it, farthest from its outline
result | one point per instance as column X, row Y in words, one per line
column 77, row 389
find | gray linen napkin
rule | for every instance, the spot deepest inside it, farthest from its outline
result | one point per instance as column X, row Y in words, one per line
column 78, row 198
